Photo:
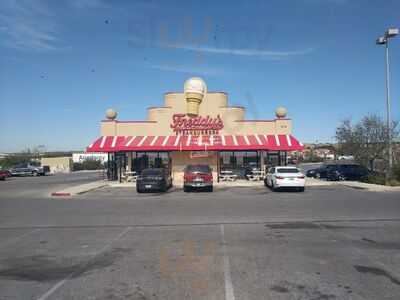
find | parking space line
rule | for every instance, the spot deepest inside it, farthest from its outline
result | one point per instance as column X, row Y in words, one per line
column 229, row 294
column 62, row 282
column 17, row 238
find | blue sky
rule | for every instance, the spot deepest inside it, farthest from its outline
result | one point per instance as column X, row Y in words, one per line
column 63, row 63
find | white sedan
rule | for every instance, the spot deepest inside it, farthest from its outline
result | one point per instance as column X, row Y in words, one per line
column 285, row 177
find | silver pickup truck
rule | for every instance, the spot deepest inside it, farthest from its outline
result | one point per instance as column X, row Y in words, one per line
column 27, row 170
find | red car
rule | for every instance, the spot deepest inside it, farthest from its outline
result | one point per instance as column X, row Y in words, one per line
column 197, row 177
column 4, row 174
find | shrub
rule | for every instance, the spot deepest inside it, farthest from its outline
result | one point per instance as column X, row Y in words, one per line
column 89, row 164
column 375, row 179
column 396, row 172
column 393, row 182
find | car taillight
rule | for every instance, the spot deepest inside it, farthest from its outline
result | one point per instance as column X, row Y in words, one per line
column 300, row 177
column 279, row 177
column 187, row 177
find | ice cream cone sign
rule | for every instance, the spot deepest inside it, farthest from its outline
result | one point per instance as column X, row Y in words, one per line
column 195, row 90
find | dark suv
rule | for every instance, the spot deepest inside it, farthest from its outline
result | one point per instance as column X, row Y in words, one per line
column 154, row 180
column 197, row 177
column 347, row 172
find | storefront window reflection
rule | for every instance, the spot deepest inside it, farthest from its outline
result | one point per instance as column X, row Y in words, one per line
column 144, row 160
column 240, row 162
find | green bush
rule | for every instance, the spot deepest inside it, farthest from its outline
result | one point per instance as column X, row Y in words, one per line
column 393, row 182
column 375, row 179
column 396, row 172
column 89, row 164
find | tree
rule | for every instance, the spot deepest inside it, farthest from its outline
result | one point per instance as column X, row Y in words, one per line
column 367, row 140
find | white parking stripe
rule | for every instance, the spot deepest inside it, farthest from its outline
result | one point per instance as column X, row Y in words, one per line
column 62, row 282
column 223, row 140
column 103, row 140
column 212, row 140
column 229, row 294
column 188, row 140
column 165, row 141
column 246, row 139
column 199, row 140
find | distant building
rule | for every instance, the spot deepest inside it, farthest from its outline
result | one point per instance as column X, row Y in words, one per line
column 81, row 157
column 3, row 155
column 57, row 164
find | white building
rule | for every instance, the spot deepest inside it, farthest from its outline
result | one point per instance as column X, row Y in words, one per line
column 81, row 157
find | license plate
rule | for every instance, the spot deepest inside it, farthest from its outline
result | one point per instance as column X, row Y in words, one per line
column 291, row 178
column 199, row 184
column 147, row 186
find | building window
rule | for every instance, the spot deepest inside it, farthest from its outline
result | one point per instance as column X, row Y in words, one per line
column 241, row 162
column 144, row 160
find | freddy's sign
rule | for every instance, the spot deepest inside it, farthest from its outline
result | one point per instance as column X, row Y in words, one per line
column 184, row 124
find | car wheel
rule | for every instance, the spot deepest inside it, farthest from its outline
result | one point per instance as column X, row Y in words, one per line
column 273, row 188
column 301, row 189
column 34, row 173
column 318, row 176
column 139, row 190
column 210, row 189
column 186, row 189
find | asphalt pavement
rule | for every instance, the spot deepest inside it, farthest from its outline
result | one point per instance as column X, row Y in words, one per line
column 327, row 243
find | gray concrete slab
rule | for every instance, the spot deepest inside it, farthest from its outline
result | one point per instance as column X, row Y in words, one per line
column 236, row 243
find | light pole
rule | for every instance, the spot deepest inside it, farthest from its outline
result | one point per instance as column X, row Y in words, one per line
column 384, row 40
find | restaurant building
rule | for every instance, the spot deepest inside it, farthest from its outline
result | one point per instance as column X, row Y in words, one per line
column 195, row 127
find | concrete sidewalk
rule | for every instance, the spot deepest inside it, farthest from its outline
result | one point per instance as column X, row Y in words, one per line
column 80, row 189
column 310, row 182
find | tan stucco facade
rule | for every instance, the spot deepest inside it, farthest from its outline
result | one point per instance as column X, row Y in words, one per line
column 58, row 164
column 214, row 103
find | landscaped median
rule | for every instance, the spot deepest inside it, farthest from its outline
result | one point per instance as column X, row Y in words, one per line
column 79, row 189
column 353, row 184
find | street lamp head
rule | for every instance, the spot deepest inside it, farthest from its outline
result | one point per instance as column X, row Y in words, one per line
column 391, row 32
column 381, row 41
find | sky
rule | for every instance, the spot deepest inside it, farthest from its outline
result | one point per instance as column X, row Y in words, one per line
column 63, row 63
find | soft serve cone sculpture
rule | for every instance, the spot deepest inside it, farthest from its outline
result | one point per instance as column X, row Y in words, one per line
column 195, row 89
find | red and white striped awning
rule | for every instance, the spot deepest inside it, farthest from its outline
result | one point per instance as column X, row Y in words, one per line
column 195, row 143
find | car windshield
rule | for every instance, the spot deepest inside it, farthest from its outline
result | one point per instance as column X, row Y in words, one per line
column 198, row 169
column 152, row 172
column 287, row 170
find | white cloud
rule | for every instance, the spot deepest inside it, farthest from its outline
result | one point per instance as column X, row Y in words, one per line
column 242, row 52
column 250, row 52
column 27, row 25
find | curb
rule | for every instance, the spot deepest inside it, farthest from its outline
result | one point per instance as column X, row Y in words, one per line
column 60, row 194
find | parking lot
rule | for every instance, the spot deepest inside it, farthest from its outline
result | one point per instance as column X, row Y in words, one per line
column 330, row 242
